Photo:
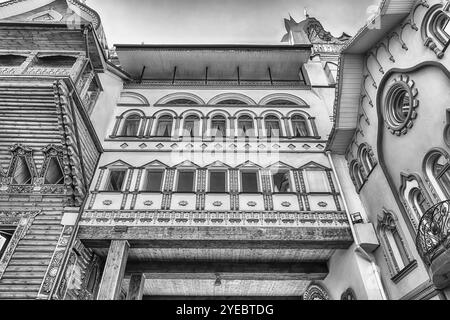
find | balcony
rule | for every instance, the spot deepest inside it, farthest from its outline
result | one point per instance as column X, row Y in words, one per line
column 433, row 242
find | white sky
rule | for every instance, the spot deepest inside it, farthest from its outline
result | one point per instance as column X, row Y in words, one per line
column 221, row 21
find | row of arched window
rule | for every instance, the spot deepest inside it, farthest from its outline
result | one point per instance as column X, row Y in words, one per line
column 218, row 123
column 362, row 166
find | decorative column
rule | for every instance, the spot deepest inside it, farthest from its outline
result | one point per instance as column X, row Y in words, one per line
column 333, row 190
column 259, row 129
column 176, row 130
column 148, row 128
column 167, row 190
column 136, row 288
column 110, row 286
column 302, row 196
column 266, row 189
column 127, row 188
column 287, row 131
column 234, row 189
column 136, row 188
column 232, row 127
column 201, row 189
column 117, row 125
column 312, row 120
column 298, row 189
column 204, row 128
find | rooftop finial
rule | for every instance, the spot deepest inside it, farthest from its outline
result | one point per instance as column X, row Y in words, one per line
column 306, row 12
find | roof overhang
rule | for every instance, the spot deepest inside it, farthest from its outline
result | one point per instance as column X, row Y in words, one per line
column 224, row 62
column 351, row 70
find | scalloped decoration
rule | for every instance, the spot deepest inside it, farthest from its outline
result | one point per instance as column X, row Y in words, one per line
column 148, row 203
column 251, row 204
column 107, row 202
column 286, row 204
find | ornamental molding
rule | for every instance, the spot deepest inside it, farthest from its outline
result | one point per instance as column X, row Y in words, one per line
column 401, row 88
column 336, row 219
column 24, row 220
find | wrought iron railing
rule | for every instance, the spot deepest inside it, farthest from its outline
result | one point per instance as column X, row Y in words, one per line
column 433, row 235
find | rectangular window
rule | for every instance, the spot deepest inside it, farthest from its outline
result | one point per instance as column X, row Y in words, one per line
column 249, row 182
column 317, row 181
column 218, row 181
column 115, row 180
column 153, row 181
column 185, row 181
column 281, row 182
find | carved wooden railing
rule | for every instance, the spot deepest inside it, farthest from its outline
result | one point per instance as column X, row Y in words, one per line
column 433, row 236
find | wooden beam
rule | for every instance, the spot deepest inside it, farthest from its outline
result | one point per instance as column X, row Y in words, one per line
column 219, row 237
column 136, row 288
column 280, row 271
column 113, row 273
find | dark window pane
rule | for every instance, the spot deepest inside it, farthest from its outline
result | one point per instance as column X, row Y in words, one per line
column 21, row 174
column 272, row 127
column 245, row 126
column 217, row 181
column 232, row 102
column 153, row 181
column 185, row 181
column 54, row 173
column 299, row 126
column 164, row 127
column 281, row 182
column 192, row 126
column 249, row 182
column 131, row 126
column 218, row 127
column 115, row 181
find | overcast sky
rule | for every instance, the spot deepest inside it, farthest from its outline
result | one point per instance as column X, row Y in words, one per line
column 221, row 21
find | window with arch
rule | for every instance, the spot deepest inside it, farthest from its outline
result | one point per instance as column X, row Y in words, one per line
column 367, row 159
column 54, row 173
column 21, row 174
column 273, row 127
column 437, row 169
column 419, row 202
column 356, row 175
column 232, row 102
column 415, row 199
column 281, row 102
column 395, row 251
column 218, row 126
column 191, row 126
column 299, row 126
column 164, row 126
column 181, row 102
column 131, row 124
column 245, row 126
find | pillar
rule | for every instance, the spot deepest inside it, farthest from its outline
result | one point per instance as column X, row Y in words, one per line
column 136, row 288
column 114, row 270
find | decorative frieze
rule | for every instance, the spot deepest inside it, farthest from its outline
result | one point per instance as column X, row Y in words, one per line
column 216, row 218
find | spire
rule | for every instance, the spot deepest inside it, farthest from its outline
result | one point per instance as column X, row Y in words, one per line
column 306, row 13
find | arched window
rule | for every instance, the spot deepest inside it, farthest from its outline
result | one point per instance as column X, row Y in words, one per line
column 273, row 128
column 232, row 102
column 245, row 126
column 21, row 174
column 299, row 126
column 218, row 126
column 395, row 251
column 181, row 102
column 437, row 169
column 164, row 126
column 419, row 202
column 415, row 199
column 191, row 126
column 281, row 102
column 131, row 126
column 356, row 175
column 366, row 158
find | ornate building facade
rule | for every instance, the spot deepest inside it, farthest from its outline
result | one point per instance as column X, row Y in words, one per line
column 246, row 171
